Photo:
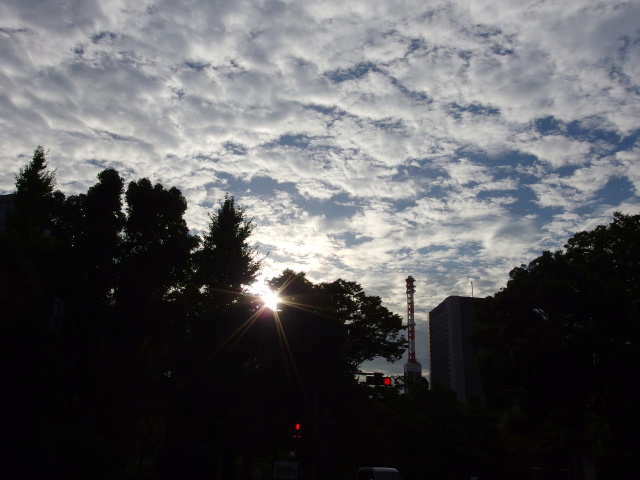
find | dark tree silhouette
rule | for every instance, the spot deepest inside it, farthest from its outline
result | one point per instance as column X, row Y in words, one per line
column 132, row 342
column 226, row 265
column 36, row 202
column 561, row 342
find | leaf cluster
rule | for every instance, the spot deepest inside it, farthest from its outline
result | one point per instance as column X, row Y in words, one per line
column 561, row 343
column 133, row 337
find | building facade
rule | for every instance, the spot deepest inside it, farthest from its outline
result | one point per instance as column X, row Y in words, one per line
column 452, row 358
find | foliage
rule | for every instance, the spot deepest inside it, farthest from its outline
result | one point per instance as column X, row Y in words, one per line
column 225, row 263
column 35, row 201
column 135, row 343
column 371, row 329
column 555, row 342
column 367, row 329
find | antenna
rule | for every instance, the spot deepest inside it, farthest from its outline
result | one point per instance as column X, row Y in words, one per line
column 411, row 324
column 471, row 288
column 412, row 369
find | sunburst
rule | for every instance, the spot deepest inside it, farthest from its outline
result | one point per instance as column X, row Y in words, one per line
column 271, row 300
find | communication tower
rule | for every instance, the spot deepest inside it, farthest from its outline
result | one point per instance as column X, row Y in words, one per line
column 412, row 369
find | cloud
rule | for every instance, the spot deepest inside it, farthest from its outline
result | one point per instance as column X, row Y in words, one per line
column 369, row 140
column 557, row 150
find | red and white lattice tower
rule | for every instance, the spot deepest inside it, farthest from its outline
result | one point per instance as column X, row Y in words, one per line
column 412, row 369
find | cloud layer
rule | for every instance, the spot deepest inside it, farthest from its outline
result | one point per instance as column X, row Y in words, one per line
column 369, row 140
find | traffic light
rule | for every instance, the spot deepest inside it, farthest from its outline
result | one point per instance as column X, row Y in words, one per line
column 296, row 430
column 378, row 379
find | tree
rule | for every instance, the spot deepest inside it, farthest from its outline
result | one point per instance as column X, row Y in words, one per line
column 221, row 343
column 554, row 342
column 371, row 329
column 30, row 266
column 226, row 264
column 89, row 229
column 223, row 267
column 327, row 330
column 117, row 336
column 91, row 225
column 35, row 201
column 160, row 350
column 147, row 326
column 157, row 244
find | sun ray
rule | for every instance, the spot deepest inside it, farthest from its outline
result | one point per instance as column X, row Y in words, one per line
column 290, row 361
column 270, row 305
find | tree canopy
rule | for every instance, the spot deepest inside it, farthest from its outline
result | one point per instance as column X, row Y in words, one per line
column 137, row 347
column 562, row 345
column 35, row 198
column 139, row 344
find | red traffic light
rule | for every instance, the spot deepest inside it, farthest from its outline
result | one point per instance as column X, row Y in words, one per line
column 378, row 379
column 296, row 432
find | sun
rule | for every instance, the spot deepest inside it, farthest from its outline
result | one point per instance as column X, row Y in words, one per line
column 265, row 296
column 270, row 300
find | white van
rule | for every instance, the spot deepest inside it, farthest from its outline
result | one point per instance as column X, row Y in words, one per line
column 378, row 473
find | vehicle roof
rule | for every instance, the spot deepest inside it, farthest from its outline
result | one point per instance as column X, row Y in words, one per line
column 378, row 469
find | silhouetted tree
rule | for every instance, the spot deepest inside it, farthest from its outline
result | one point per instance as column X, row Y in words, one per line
column 561, row 343
column 29, row 275
column 215, row 366
column 36, row 202
column 327, row 330
column 371, row 329
column 149, row 327
column 226, row 264
column 129, row 339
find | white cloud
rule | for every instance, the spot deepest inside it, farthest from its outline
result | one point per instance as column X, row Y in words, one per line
column 631, row 166
column 420, row 120
column 557, row 150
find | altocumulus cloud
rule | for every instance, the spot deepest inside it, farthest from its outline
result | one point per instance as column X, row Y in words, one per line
column 369, row 140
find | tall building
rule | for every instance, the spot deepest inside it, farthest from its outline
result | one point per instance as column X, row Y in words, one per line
column 452, row 358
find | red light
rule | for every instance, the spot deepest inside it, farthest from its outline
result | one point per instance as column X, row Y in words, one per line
column 297, row 426
column 386, row 381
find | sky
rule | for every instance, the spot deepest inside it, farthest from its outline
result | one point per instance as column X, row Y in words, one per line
column 368, row 140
